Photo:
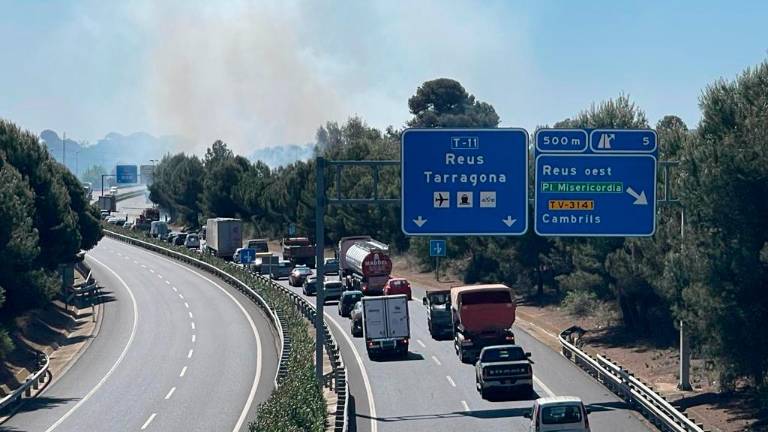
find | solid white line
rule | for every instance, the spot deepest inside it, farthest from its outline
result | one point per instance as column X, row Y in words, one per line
column 420, row 343
column 450, row 380
column 149, row 420
column 186, row 305
column 464, row 404
column 366, row 382
column 194, row 338
column 190, row 315
column 170, row 393
column 546, row 389
column 193, row 325
column 119, row 359
column 247, row 407
column 183, row 371
column 189, row 355
column 437, row 361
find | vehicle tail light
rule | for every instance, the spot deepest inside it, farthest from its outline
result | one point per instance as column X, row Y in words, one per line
column 405, row 341
column 370, row 344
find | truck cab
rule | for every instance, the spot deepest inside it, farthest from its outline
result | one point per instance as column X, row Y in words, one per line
column 438, row 304
column 482, row 315
column 503, row 367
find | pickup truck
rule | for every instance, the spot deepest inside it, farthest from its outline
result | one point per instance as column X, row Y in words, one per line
column 503, row 367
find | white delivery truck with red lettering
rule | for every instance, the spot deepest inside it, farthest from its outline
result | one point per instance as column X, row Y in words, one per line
column 364, row 264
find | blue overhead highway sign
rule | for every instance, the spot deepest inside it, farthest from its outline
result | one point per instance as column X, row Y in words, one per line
column 459, row 182
column 437, row 248
column 126, row 174
column 606, row 189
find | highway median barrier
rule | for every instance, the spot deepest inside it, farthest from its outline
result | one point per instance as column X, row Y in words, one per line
column 297, row 403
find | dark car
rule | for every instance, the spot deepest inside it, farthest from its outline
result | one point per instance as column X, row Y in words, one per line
column 331, row 266
column 356, row 318
column 179, row 239
column 310, row 286
column 298, row 275
column 171, row 237
column 347, row 301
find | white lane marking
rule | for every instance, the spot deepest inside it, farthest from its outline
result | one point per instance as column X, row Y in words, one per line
column 464, row 404
column 175, row 289
column 256, row 335
column 135, row 262
column 366, row 382
column 190, row 315
column 143, row 266
column 149, row 420
column 119, row 254
column 151, row 270
column 437, row 361
column 186, row 305
column 183, row 371
column 119, row 359
column 193, row 325
column 546, row 389
column 167, row 282
column 420, row 343
column 189, row 355
column 160, row 276
column 450, row 380
column 194, row 338
column 170, row 393
column 181, row 296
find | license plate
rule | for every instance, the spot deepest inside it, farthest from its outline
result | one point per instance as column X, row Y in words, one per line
column 388, row 344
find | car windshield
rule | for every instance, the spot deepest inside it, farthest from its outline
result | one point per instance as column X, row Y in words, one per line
column 503, row 354
column 560, row 414
column 438, row 299
column 333, row 285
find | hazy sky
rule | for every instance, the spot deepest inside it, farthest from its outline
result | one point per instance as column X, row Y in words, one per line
column 260, row 73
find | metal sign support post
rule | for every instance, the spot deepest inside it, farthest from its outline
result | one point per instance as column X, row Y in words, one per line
column 321, row 200
column 102, row 181
column 684, row 380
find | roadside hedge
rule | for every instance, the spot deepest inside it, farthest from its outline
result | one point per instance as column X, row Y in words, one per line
column 297, row 405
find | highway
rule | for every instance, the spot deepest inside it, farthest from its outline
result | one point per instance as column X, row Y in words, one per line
column 177, row 350
column 433, row 390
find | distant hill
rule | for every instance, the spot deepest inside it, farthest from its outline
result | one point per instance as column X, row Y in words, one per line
column 283, row 155
column 134, row 149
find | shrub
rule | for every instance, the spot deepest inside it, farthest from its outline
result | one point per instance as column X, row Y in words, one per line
column 580, row 303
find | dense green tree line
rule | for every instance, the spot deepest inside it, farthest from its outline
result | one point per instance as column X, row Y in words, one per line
column 46, row 221
column 714, row 278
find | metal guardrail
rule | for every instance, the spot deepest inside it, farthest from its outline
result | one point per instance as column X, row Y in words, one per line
column 32, row 382
column 620, row 381
column 307, row 310
column 282, row 369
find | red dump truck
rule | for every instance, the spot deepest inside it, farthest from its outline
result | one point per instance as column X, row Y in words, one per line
column 364, row 264
column 482, row 316
column 299, row 251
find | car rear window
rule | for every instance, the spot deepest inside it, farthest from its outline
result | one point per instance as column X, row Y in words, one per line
column 399, row 283
column 333, row 284
column 485, row 297
column 560, row 414
column 504, row 354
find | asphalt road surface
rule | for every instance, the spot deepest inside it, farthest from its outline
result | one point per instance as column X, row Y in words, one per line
column 178, row 350
column 433, row 390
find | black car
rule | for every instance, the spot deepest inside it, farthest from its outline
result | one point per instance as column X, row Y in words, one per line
column 179, row 239
column 347, row 301
column 310, row 286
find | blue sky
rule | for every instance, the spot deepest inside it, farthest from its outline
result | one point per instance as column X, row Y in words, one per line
column 261, row 73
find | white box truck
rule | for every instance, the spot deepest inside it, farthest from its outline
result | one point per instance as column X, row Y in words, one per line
column 386, row 326
column 223, row 236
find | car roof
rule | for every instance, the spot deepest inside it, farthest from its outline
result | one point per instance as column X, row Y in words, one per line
column 396, row 279
column 555, row 400
column 351, row 293
column 508, row 346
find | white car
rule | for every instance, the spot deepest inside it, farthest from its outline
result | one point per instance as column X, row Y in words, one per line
column 559, row 413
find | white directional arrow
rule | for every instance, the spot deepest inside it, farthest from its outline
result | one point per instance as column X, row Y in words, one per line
column 419, row 221
column 640, row 198
column 509, row 221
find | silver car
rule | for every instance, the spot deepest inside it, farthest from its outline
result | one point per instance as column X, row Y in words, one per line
column 332, row 290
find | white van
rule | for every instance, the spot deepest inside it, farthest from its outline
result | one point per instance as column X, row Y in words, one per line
column 158, row 229
column 559, row 413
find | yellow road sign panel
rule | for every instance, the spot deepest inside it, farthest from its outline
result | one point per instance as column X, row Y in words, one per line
column 572, row 205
